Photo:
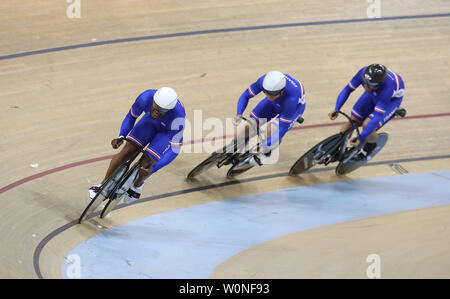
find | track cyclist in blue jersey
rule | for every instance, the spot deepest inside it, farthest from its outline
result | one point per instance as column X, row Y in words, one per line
column 161, row 128
column 284, row 104
column 384, row 91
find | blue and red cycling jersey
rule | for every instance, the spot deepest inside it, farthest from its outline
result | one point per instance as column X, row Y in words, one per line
column 164, row 135
column 382, row 102
column 289, row 106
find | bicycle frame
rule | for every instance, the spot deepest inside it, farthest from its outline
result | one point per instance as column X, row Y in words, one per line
column 119, row 181
column 233, row 156
column 337, row 151
column 354, row 126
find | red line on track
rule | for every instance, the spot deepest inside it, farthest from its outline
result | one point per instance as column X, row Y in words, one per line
column 75, row 164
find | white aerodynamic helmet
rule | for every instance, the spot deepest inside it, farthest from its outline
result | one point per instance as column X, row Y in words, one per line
column 274, row 82
column 166, row 98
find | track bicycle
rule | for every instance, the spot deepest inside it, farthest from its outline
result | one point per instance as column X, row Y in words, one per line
column 113, row 189
column 230, row 154
column 335, row 149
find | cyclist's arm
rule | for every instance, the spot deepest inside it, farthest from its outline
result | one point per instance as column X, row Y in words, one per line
column 348, row 89
column 135, row 111
column 166, row 158
column 286, row 121
column 176, row 142
column 249, row 93
column 378, row 114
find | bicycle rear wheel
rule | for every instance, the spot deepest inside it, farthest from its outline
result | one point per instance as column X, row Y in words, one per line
column 105, row 191
column 348, row 165
column 309, row 159
column 119, row 190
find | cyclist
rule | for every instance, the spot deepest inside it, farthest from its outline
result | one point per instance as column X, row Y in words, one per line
column 161, row 128
column 284, row 101
column 383, row 94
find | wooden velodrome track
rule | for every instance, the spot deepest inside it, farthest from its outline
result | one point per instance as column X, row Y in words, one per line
column 60, row 107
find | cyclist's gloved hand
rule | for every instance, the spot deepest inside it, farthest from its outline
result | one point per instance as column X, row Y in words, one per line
column 117, row 142
column 237, row 120
column 333, row 115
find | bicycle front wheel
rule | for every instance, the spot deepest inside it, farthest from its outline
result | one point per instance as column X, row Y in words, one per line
column 308, row 160
column 203, row 166
column 120, row 190
column 105, row 190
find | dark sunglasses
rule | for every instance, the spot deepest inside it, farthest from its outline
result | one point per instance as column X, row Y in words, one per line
column 272, row 93
column 160, row 109
column 373, row 85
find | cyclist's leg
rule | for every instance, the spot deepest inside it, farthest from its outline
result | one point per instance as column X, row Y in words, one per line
column 127, row 151
column 274, row 126
column 146, row 161
column 258, row 117
column 373, row 137
column 389, row 114
column 263, row 113
column 139, row 136
column 158, row 146
column 361, row 110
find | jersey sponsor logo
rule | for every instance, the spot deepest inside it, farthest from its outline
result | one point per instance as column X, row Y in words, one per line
column 292, row 82
column 398, row 93
column 165, row 150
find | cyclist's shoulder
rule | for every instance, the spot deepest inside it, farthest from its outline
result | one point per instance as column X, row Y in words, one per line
column 148, row 93
column 180, row 109
column 391, row 83
column 178, row 113
column 359, row 74
column 290, row 101
column 146, row 97
column 293, row 85
column 292, row 80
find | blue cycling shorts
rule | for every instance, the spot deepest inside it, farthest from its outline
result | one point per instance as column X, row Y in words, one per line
column 146, row 132
column 365, row 107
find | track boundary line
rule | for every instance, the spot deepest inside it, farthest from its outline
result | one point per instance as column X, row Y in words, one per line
column 215, row 31
column 54, row 233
